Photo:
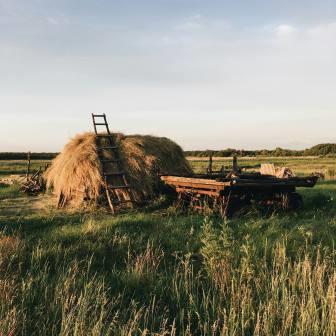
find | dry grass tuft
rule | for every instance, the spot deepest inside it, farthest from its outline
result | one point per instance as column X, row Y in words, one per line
column 76, row 176
column 8, row 248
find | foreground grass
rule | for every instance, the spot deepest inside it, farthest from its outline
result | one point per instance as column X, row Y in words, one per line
column 160, row 272
column 8, row 191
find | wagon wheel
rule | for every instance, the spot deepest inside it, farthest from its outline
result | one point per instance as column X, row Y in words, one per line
column 208, row 204
column 181, row 201
column 284, row 201
column 241, row 210
column 196, row 204
column 295, row 201
column 291, row 201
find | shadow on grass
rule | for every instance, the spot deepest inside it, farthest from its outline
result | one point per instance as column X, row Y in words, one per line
column 9, row 191
column 38, row 225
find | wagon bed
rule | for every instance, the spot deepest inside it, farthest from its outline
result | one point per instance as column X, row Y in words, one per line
column 229, row 193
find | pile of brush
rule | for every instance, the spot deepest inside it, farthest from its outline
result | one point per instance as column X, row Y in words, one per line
column 76, row 177
column 34, row 184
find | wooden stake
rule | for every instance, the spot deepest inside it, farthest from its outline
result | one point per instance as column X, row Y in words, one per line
column 235, row 164
column 109, row 197
column 209, row 171
column 28, row 166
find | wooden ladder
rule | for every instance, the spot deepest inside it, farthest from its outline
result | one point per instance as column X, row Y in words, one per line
column 111, row 165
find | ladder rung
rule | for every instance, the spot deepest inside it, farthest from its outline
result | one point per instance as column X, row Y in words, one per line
column 114, row 174
column 120, row 202
column 107, row 147
column 101, row 124
column 110, row 161
column 120, row 187
column 103, row 135
column 98, row 115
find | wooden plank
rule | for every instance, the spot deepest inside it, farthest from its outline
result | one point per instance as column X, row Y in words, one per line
column 269, row 183
column 197, row 186
column 190, row 180
column 198, row 191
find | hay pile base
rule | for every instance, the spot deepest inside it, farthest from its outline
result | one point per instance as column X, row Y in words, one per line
column 76, row 176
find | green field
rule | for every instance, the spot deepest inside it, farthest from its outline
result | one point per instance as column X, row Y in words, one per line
column 300, row 165
column 157, row 271
column 8, row 167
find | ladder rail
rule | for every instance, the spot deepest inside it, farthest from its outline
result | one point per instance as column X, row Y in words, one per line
column 94, row 123
column 113, row 148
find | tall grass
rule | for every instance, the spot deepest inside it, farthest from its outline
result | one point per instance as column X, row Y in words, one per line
column 127, row 276
column 159, row 272
column 9, row 191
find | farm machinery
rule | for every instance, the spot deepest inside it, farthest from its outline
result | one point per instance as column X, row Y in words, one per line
column 232, row 192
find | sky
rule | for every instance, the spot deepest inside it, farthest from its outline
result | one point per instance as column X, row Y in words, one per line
column 208, row 74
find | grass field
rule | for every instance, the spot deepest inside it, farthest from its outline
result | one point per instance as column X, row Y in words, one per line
column 156, row 271
column 8, row 167
column 300, row 165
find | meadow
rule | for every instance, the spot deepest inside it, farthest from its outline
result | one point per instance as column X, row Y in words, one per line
column 300, row 165
column 159, row 271
column 9, row 167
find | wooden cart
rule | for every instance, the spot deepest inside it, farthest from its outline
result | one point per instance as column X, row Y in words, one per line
column 231, row 194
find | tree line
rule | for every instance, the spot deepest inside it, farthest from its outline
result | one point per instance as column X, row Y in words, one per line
column 318, row 150
column 24, row 156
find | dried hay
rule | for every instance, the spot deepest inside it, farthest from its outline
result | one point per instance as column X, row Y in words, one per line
column 13, row 179
column 76, row 175
column 279, row 172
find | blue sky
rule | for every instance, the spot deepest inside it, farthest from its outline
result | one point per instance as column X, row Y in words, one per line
column 208, row 74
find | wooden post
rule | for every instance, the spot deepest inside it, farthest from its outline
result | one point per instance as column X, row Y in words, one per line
column 209, row 170
column 235, row 164
column 28, row 165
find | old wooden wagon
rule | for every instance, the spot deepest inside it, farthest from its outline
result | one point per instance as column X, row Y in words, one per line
column 232, row 193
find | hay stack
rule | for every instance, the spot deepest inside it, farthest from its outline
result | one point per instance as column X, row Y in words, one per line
column 75, row 174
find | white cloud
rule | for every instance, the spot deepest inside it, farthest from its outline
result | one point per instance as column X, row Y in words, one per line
column 325, row 31
column 59, row 20
column 284, row 30
column 191, row 23
column 52, row 21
